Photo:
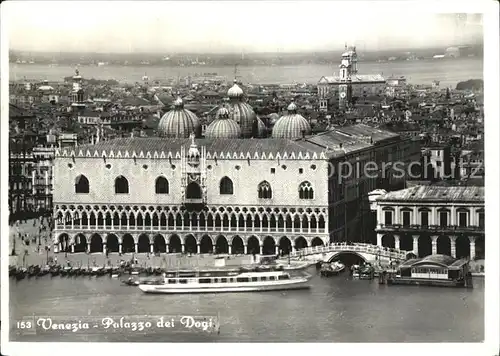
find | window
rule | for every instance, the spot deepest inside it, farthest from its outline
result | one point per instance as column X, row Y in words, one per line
column 306, row 191
column 226, row 186
column 481, row 220
column 193, row 191
column 223, row 280
column 406, row 218
column 242, row 279
column 121, row 185
column 204, row 280
column 265, row 191
column 273, row 170
column 183, row 281
column 301, row 170
column 255, row 279
column 424, row 216
column 172, row 281
column 161, row 185
column 388, row 217
column 462, row 219
column 82, row 185
column 443, row 219
column 272, row 278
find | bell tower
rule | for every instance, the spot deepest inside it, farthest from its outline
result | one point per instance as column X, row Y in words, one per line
column 348, row 67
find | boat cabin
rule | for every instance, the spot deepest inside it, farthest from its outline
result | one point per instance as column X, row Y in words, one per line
column 434, row 267
column 240, row 278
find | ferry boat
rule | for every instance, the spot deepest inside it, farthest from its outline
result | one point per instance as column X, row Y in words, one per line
column 224, row 283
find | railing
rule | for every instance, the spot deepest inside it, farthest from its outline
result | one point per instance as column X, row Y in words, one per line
column 188, row 229
column 431, row 228
column 357, row 247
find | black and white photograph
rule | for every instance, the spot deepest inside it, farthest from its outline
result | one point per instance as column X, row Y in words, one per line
column 263, row 172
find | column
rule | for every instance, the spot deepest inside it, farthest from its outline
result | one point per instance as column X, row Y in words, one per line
column 453, row 216
column 72, row 248
column 415, row 244
column 379, row 239
column 230, row 249
column 472, row 244
column 276, row 249
column 260, row 249
column 104, row 247
column 136, row 247
column 434, row 244
column 396, row 242
column 197, row 248
column 151, row 248
column 453, row 246
column 183, row 248
column 293, row 248
column 245, row 250
column 120, row 248
column 166, row 248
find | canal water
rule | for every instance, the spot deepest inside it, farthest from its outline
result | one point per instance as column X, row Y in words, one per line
column 336, row 309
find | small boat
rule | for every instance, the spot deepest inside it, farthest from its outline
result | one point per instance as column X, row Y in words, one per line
column 365, row 271
column 130, row 282
column 217, row 283
column 115, row 275
column 331, row 269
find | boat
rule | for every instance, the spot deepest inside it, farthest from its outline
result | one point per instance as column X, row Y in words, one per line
column 331, row 269
column 130, row 282
column 365, row 271
column 223, row 283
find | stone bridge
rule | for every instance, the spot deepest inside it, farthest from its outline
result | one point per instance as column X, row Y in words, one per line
column 367, row 252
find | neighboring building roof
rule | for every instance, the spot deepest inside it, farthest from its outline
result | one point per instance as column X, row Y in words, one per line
column 435, row 193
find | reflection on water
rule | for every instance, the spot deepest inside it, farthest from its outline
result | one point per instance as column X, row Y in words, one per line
column 335, row 309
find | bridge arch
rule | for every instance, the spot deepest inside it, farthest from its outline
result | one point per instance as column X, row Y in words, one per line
column 348, row 257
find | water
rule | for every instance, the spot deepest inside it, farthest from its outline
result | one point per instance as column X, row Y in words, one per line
column 335, row 309
column 448, row 71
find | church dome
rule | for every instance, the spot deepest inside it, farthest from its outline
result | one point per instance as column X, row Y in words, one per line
column 178, row 122
column 223, row 126
column 235, row 91
column 240, row 111
column 292, row 125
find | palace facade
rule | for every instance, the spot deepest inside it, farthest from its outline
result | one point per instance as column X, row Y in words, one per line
column 433, row 220
column 223, row 193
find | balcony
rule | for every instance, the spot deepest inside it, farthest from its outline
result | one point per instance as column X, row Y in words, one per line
column 450, row 229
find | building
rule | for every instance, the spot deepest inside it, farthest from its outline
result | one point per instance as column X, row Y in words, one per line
column 438, row 157
column 426, row 220
column 348, row 84
column 41, row 176
column 228, row 195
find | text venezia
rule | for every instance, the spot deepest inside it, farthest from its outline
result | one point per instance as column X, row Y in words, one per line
column 185, row 322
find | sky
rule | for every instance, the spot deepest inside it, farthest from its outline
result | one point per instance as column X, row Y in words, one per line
column 218, row 27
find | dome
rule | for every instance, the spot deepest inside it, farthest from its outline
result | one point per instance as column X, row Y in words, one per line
column 292, row 125
column 235, row 91
column 223, row 126
column 178, row 122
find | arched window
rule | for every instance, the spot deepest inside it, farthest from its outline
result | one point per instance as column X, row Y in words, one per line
column 306, row 191
column 265, row 191
column 193, row 191
column 121, row 185
column 161, row 185
column 226, row 186
column 82, row 184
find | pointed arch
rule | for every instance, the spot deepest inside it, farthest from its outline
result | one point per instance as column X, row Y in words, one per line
column 108, row 219
column 226, row 186
column 237, row 246
column 92, row 219
column 221, row 245
column 123, row 220
column 206, row 244
column 163, row 219
column 121, row 185
column 82, row 185
column 264, row 190
column 306, row 190
column 161, row 185
column 100, row 219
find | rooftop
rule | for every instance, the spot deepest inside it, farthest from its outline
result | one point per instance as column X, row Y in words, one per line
column 436, row 193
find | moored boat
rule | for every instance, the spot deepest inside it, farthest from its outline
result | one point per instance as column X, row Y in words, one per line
column 215, row 283
column 331, row 269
